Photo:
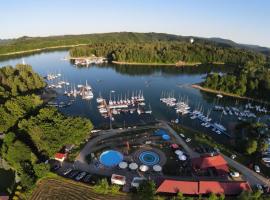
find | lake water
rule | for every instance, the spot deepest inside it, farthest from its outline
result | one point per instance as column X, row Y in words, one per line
column 152, row 80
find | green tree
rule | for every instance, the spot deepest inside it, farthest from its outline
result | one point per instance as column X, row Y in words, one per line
column 41, row 169
column 251, row 146
column 146, row 190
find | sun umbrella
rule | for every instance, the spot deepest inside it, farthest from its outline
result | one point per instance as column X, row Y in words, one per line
column 178, row 152
column 157, row 168
column 166, row 137
column 133, row 166
column 144, row 168
column 175, row 146
column 182, row 157
column 123, row 165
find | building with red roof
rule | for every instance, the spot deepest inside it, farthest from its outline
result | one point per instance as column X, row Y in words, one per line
column 60, row 156
column 174, row 186
column 203, row 187
column 215, row 162
column 227, row 188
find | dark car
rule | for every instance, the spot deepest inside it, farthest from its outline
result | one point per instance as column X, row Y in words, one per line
column 55, row 167
column 73, row 174
column 87, row 178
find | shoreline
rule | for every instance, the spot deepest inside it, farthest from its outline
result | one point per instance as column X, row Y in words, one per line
column 40, row 49
column 197, row 86
column 156, row 64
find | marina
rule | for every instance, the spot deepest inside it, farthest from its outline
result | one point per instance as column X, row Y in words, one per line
column 133, row 94
column 128, row 104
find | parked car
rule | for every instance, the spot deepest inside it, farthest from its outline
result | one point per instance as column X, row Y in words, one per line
column 80, row 176
column 233, row 156
column 257, row 169
column 56, row 167
column 182, row 135
column 266, row 189
column 266, row 153
column 87, row 178
column 137, row 181
column 67, row 171
column 73, row 174
column 259, row 187
column 266, row 159
column 234, row 174
column 188, row 140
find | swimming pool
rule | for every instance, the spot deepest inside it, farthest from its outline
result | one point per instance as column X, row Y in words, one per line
column 110, row 158
column 149, row 158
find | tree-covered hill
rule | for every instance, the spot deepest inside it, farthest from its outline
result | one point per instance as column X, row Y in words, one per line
column 33, row 43
column 168, row 52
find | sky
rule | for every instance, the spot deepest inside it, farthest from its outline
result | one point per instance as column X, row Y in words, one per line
column 243, row 21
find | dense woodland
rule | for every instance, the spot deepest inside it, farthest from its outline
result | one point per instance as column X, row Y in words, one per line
column 251, row 80
column 50, row 130
column 168, row 52
column 19, row 80
column 32, row 132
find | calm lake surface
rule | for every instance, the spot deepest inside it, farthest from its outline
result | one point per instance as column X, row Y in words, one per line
column 152, row 80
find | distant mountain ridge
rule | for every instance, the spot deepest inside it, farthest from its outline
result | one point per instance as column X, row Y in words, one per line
column 257, row 48
column 22, row 43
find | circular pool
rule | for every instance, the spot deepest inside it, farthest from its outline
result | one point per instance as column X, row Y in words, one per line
column 149, row 158
column 110, row 158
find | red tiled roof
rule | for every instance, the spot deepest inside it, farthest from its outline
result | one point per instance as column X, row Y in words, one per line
column 60, row 156
column 4, row 197
column 228, row 188
column 202, row 187
column 173, row 186
column 217, row 162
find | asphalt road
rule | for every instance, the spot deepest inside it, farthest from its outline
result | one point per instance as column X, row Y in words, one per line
column 249, row 175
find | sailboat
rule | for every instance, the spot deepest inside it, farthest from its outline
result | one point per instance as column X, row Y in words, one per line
column 88, row 94
column 149, row 111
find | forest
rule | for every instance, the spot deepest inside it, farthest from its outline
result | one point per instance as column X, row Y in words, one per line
column 168, row 52
column 32, row 132
column 18, row 80
column 251, row 80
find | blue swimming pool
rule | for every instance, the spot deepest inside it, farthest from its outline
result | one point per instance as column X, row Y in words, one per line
column 149, row 158
column 110, row 158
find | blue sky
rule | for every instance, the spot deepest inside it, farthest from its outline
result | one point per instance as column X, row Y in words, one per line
column 245, row 21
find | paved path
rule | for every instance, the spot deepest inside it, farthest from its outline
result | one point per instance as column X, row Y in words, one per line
column 88, row 148
column 180, row 141
column 252, row 177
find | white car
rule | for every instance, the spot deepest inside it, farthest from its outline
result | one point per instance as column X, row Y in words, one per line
column 188, row 140
column 137, row 181
column 182, row 135
column 67, row 171
column 233, row 156
column 234, row 174
column 266, row 159
column 257, row 169
column 259, row 187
